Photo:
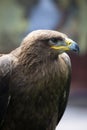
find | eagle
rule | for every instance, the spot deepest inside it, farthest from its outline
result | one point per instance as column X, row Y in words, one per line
column 35, row 81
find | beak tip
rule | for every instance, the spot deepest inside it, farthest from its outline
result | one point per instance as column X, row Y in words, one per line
column 74, row 47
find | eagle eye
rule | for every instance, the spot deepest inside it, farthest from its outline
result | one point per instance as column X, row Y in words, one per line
column 55, row 40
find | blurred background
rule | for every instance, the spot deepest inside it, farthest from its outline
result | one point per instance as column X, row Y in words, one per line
column 20, row 17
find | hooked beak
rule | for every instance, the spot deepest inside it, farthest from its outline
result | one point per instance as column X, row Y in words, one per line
column 72, row 45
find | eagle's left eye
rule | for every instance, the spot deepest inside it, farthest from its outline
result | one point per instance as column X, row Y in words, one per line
column 54, row 41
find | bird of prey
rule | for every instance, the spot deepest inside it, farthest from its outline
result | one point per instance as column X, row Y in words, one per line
column 35, row 81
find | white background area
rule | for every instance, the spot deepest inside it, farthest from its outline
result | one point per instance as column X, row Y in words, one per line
column 74, row 118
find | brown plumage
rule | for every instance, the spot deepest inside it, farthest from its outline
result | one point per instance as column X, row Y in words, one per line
column 35, row 81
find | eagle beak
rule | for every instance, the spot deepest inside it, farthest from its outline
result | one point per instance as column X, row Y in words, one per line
column 72, row 45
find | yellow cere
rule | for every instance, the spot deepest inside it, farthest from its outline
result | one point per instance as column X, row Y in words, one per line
column 68, row 41
column 64, row 48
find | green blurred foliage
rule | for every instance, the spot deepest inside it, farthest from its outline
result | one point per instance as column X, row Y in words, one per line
column 12, row 24
column 82, row 24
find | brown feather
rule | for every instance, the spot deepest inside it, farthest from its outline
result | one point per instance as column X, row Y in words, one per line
column 39, row 84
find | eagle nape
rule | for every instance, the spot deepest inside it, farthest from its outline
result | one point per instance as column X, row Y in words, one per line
column 36, row 76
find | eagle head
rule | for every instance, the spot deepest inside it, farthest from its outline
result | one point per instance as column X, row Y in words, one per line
column 47, row 43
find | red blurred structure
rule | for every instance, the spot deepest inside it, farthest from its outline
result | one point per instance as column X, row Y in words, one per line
column 79, row 72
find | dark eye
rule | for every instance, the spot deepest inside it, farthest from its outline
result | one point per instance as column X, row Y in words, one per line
column 54, row 40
